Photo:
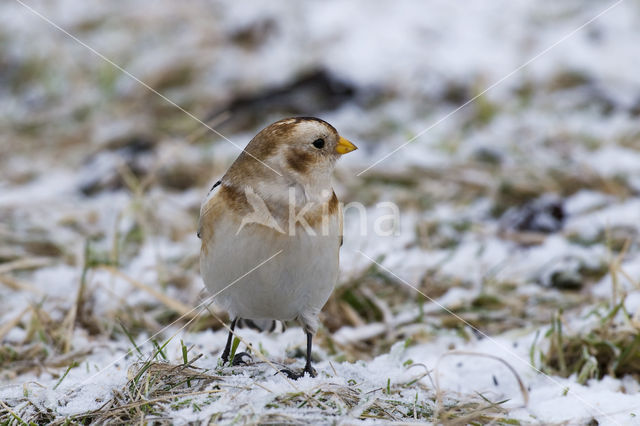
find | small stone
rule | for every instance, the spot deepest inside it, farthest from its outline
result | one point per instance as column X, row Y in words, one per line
column 566, row 280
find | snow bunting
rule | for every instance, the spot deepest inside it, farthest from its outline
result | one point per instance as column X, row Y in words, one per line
column 276, row 202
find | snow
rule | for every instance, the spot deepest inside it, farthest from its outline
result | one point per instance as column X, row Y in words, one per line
column 614, row 161
column 414, row 55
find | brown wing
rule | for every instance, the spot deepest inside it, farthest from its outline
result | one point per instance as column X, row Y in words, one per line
column 203, row 208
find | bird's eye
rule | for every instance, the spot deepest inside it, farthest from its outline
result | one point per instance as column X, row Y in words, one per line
column 318, row 143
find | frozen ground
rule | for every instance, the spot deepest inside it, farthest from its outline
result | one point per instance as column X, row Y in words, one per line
column 509, row 293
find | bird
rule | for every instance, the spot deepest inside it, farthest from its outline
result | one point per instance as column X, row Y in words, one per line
column 271, row 229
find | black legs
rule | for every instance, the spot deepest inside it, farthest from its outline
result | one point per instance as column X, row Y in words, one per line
column 239, row 358
column 307, row 367
column 227, row 348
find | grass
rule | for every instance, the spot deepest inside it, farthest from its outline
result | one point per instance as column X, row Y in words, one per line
column 158, row 387
column 607, row 348
column 73, row 364
column 54, row 335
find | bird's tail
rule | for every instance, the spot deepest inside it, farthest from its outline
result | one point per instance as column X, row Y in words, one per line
column 262, row 325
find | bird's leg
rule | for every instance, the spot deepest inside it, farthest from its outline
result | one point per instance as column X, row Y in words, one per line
column 227, row 348
column 307, row 367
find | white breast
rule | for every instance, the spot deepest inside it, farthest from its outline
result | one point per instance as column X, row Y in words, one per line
column 294, row 284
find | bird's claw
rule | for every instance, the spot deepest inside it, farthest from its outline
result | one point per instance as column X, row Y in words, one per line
column 242, row 358
column 291, row 374
column 309, row 369
column 295, row 376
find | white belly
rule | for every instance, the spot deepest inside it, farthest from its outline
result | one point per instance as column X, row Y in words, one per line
column 295, row 283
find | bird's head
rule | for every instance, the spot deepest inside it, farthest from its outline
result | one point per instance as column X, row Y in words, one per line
column 300, row 147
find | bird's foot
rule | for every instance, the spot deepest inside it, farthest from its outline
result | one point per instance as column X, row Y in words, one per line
column 242, row 358
column 308, row 369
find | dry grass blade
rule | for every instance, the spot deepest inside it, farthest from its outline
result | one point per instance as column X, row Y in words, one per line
column 6, row 328
column 179, row 307
column 152, row 386
column 76, row 308
column 12, row 413
column 345, row 335
column 19, row 285
column 25, row 263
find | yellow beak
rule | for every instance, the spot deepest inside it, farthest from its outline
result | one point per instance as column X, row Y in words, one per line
column 344, row 146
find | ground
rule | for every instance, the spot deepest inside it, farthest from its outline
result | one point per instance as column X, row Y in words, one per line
column 504, row 135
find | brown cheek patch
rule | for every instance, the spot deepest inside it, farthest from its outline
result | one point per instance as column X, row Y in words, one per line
column 299, row 161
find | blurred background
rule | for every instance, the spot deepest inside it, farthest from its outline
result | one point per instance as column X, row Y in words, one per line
column 515, row 204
